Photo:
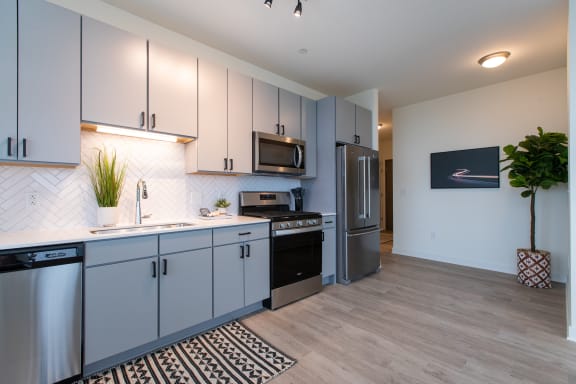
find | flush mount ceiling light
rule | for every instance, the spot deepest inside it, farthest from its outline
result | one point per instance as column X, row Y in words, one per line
column 494, row 60
column 297, row 10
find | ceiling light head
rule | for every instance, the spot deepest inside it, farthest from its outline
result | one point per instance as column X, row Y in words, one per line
column 494, row 60
column 268, row 3
column 298, row 9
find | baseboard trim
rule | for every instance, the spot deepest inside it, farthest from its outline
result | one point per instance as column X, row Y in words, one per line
column 571, row 334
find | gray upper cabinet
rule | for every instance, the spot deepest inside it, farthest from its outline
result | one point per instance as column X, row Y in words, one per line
column 276, row 110
column 364, row 126
column 309, row 136
column 239, row 122
column 345, row 120
column 353, row 123
column 114, row 66
column 172, row 91
column 8, row 78
column 289, row 112
column 48, row 84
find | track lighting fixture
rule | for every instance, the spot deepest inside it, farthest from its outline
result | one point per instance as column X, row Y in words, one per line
column 298, row 9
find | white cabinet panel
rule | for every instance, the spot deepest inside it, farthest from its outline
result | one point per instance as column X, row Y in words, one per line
column 265, row 97
column 48, row 83
column 240, row 122
column 289, row 112
column 172, row 91
column 212, row 120
column 8, row 78
column 114, row 66
column 185, row 290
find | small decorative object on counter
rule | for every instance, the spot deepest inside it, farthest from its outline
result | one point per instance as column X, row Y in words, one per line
column 538, row 161
column 107, row 178
column 222, row 204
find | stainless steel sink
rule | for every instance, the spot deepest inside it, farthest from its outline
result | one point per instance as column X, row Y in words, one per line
column 140, row 228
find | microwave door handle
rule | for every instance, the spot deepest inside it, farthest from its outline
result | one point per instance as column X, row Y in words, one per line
column 298, row 156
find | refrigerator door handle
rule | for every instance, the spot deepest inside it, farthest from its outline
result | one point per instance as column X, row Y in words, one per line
column 368, row 188
column 362, row 186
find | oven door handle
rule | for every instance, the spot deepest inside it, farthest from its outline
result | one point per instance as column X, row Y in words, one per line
column 286, row 232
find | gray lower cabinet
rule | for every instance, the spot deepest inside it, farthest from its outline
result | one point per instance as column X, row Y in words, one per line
column 185, row 290
column 121, row 307
column 241, row 267
column 142, row 288
column 329, row 249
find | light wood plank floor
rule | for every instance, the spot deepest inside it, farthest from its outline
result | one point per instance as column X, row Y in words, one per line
column 424, row 322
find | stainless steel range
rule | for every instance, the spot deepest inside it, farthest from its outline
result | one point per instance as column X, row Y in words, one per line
column 296, row 246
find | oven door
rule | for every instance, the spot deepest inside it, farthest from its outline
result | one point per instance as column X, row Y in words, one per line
column 295, row 257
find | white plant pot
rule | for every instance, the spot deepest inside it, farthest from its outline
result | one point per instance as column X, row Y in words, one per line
column 221, row 211
column 107, row 216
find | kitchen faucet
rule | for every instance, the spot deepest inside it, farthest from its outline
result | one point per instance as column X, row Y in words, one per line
column 141, row 185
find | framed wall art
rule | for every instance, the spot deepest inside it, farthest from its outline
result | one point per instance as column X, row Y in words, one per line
column 470, row 168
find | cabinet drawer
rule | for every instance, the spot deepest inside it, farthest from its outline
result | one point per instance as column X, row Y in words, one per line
column 185, row 241
column 329, row 222
column 240, row 233
column 113, row 251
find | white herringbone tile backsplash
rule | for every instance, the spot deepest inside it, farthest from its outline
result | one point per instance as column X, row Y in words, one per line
column 66, row 199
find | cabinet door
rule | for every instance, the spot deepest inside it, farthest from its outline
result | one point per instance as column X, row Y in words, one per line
column 173, row 89
column 290, row 116
column 212, row 109
column 345, row 121
column 228, row 278
column 185, row 290
column 48, row 83
column 364, row 126
column 121, row 308
column 240, row 122
column 8, row 78
column 329, row 252
column 265, row 98
column 257, row 271
column 114, row 64
column 309, row 135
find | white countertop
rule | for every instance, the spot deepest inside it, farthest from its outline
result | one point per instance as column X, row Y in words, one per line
column 9, row 240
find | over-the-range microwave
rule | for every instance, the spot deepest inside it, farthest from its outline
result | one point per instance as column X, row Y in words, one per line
column 278, row 154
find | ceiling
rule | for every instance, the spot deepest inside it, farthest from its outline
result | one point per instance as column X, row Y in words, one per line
column 410, row 50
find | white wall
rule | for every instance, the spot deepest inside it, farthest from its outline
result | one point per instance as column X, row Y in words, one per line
column 478, row 227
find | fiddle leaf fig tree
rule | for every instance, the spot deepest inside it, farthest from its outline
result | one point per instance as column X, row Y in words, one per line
column 538, row 161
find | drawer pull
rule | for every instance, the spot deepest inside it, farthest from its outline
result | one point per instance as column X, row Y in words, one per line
column 244, row 233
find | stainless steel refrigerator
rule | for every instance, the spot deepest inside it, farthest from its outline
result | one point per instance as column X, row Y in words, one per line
column 358, row 205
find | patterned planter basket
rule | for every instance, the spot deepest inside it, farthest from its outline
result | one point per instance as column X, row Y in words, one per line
column 534, row 268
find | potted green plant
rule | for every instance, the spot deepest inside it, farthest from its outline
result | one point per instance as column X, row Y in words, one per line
column 107, row 178
column 537, row 162
column 222, row 204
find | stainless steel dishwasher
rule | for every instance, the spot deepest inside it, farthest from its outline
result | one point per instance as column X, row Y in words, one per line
column 41, row 314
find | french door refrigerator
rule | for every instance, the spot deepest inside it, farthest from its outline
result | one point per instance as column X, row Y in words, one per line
column 358, row 205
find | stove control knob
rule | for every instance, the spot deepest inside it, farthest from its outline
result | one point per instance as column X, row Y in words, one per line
column 283, row 225
column 312, row 222
column 299, row 223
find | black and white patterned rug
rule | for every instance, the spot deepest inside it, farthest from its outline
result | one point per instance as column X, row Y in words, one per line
column 228, row 354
